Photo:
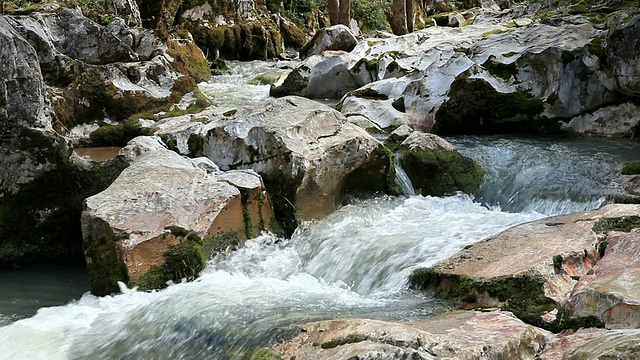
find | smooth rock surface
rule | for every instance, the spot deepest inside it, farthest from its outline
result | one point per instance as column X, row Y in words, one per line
column 587, row 344
column 611, row 291
column 612, row 121
column 456, row 335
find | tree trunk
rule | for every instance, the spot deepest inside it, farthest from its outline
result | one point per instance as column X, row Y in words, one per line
column 334, row 16
column 399, row 17
column 344, row 12
column 410, row 15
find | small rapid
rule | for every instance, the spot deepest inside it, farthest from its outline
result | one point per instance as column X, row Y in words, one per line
column 355, row 262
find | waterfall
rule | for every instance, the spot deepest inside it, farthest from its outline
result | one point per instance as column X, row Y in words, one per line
column 402, row 179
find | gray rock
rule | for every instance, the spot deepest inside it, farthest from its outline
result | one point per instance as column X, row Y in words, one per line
column 129, row 11
column 623, row 49
column 307, row 153
column 611, row 121
column 337, row 37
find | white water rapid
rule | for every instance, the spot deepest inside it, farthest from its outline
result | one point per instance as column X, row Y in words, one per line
column 355, row 262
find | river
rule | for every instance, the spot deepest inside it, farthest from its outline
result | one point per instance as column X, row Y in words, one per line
column 355, row 262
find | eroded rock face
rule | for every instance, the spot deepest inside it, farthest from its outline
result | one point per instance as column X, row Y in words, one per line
column 161, row 216
column 619, row 121
column 611, row 292
column 307, row 153
column 456, row 335
column 337, row 37
column 480, row 78
column 623, row 50
column 436, row 168
column 531, row 269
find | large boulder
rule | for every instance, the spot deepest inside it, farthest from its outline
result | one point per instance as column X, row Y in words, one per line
column 307, row 153
column 164, row 215
column 455, row 335
column 337, row 37
column 436, row 168
column 533, row 270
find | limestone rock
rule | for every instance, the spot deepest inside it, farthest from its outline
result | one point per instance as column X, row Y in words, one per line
column 307, row 153
column 611, row 292
column 612, row 121
column 337, row 37
column 485, row 77
column 530, row 269
column 129, row 11
column 436, row 168
column 623, row 49
column 320, row 76
column 456, row 335
column 138, row 230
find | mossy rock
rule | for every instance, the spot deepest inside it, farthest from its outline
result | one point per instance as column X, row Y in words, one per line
column 184, row 260
column 188, row 58
column 475, row 107
column 631, row 168
column 522, row 294
column 441, row 172
column 41, row 222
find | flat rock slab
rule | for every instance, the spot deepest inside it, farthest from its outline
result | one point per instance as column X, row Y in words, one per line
column 530, row 267
column 455, row 335
column 611, row 291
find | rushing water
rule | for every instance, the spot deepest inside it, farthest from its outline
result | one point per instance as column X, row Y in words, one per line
column 355, row 262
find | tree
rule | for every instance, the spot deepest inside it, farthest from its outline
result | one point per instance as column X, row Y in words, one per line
column 398, row 18
column 344, row 17
column 410, row 15
column 334, row 12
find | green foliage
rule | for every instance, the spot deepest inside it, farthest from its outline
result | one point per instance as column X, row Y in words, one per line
column 370, row 14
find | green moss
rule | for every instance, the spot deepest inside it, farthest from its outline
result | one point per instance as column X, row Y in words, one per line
column 567, row 57
column 624, row 223
column 264, row 79
column 196, row 145
column 117, row 135
column 468, row 22
column 631, row 168
column 522, row 294
column 552, row 99
column 264, row 354
column 495, row 32
column 188, row 59
column 183, row 260
column 503, row 71
column 474, row 106
column 510, row 54
column 221, row 242
column 441, row 172
column 339, row 342
column 596, row 48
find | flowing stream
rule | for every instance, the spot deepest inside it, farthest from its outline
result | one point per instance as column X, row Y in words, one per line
column 354, row 263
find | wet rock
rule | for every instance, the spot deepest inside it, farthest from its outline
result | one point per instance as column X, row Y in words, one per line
column 436, row 168
column 611, row 291
column 163, row 216
column 612, row 121
column 307, row 153
column 337, row 37
column 483, row 78
column 623, row 47
column 456, row 335
column 531, row 269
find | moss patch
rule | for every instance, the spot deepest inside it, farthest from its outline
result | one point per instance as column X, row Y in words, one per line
column 188, row 58
column 339, row 342
column 474, row 106
column 183, row 260
column 441, row 172
column 624, row 223
column 522, row 294
column 631, row 168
